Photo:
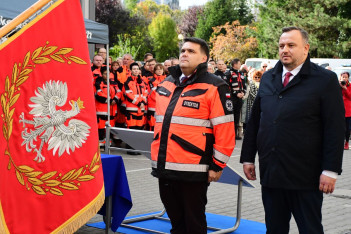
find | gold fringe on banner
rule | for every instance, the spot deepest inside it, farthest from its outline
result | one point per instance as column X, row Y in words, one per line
column 75, row 222
column 3, row 226
column 83, row 216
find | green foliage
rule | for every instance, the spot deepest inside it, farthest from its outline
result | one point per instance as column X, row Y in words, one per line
column 141, row 37
column 130, row 4
column 118, row 19
column 122, row 47
column 219, row 12
column 164, row 36
column 146, row 11
column 149, row 9
column 189, row 22
column 324, row 20
column 233, row 41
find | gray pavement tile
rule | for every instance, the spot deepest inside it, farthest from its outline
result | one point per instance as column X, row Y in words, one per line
column 144, row 190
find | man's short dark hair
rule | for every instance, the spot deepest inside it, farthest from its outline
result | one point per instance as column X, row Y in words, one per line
column 234, row 61
column 147, row 54
column 103, row 69
column 132, row 65
column 97, row 55
column 304, row 34
column 203, row 45
column 151, row 60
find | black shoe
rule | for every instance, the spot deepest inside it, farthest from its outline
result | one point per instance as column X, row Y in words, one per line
column 238, row 138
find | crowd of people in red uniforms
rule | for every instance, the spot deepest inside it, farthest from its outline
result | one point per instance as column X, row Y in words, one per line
column 132, row 91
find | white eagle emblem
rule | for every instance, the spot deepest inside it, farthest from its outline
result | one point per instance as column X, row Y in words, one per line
column 49, row 123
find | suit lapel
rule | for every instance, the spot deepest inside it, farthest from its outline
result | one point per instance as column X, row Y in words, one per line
column 293, row 82
column 277, row 76
column 277, row 81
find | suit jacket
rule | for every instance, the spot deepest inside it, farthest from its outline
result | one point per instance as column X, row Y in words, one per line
column 298, row 131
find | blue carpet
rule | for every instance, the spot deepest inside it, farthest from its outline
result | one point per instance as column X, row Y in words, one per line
column 213, row 220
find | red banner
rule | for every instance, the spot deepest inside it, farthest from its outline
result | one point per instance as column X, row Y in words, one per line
column 50, row 168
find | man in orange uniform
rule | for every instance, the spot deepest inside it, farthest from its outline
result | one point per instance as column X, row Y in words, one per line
column 194, row 137
column 96, row 66
column 123, row 73
column 135, row 92
column 101, row 102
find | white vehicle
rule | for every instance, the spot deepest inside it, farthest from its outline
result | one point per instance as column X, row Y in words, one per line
column 333, row 63
column 256, row 62
column 340, row 70
column 323, row 62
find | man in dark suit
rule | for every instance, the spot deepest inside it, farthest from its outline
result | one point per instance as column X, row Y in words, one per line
column 296, row 126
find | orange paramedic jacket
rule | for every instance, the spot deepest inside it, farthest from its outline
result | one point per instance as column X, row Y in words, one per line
column 152, row 85
column 135, row 92
column 194, row 129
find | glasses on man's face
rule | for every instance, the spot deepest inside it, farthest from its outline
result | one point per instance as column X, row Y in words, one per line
column 264, row 66
column 257, row 77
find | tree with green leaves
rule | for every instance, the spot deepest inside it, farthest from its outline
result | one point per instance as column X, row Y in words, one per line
column 146, row 11
column 164, row 36
column 219, row 12
column 189, row 21
column 124, row 46
column 322, row 19
column 118, row 19
column 130, row 4
column 149, row 9
column 232, row 41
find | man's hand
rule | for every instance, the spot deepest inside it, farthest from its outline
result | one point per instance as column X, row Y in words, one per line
column 326, row 184
column 213, row 175
column 240, row 95
column 250, row 172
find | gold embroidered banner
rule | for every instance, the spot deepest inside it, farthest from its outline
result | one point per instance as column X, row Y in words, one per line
column 51, row 174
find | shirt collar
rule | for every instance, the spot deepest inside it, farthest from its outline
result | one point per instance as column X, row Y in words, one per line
column 182, row 77
column 293, row 72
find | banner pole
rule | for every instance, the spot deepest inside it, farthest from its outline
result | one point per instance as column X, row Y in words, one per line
column 22, row 17
column 108, row 123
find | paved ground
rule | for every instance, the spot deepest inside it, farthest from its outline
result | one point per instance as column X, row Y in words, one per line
column 222, row 197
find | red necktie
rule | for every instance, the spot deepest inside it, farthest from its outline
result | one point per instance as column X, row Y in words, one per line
column 287, row 78
column 185, row 78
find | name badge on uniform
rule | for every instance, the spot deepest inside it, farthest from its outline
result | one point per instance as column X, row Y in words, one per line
column 191, row 104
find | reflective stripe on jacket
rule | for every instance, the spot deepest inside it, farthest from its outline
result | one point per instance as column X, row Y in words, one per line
column 194, row 129
column 135, row 92
column 101, row 97
column 152, row 85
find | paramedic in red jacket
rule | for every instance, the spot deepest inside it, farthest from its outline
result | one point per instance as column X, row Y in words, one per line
column 346, row 95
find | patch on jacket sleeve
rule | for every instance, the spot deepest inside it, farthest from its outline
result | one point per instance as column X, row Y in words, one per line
column 191, row 104
column 229, row 105
column 163, row 91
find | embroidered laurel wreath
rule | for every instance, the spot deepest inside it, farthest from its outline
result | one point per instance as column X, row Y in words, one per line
column 41, row 182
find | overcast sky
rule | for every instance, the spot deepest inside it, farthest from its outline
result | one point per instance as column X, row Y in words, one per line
column 184, row 4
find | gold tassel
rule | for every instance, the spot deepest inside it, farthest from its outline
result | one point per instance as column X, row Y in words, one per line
column 83, row 216
column 3, row 226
